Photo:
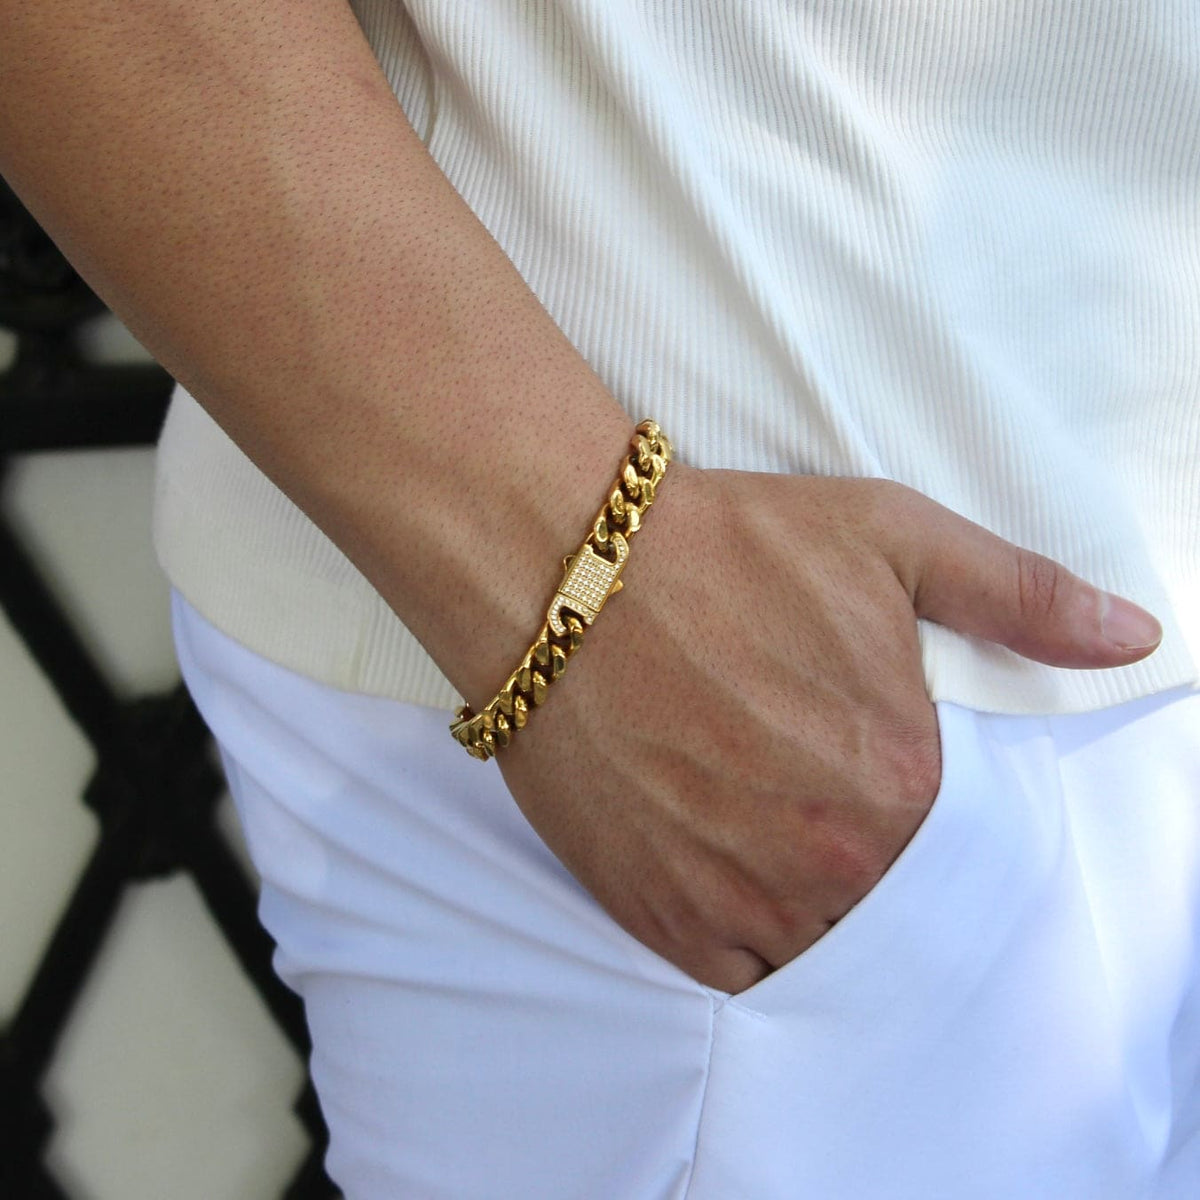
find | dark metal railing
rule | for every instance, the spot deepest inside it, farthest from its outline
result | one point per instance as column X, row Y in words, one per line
column 154, row 789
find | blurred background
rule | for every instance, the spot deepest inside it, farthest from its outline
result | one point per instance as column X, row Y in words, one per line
column 147, row 1052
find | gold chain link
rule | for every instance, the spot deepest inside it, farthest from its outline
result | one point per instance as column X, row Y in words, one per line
column 591, row 575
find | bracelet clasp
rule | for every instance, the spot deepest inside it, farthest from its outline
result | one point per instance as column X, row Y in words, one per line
column 588, row 581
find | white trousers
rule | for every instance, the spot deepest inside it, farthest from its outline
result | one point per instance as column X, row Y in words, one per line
column 1012, row 1014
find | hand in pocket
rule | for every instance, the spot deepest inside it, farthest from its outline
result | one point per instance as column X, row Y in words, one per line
column 745, row 743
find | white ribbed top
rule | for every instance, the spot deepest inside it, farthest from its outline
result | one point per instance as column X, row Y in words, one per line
column 955, row 245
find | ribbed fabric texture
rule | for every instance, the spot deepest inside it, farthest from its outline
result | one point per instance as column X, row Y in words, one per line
column 953, row 245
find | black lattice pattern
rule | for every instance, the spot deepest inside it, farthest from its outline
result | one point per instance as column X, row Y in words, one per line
column 154, row 789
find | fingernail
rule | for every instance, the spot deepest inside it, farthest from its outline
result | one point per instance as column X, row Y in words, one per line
column 1126, row 626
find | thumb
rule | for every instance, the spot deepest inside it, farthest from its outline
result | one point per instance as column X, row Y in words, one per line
column 962, row 576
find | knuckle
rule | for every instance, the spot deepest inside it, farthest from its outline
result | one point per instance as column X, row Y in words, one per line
column 912, row 759
column 1039, row 585
column 860, row 866
column 885, row 502
column 849, row 858
column 919, row 771
column 921, row 775
column 781, row 915
column 889, row 513
column 767, row 917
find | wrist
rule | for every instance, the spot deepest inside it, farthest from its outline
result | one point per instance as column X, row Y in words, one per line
column 591, row 576
column 492, row 549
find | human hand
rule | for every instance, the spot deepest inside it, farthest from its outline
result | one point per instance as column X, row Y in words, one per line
column 745, row 743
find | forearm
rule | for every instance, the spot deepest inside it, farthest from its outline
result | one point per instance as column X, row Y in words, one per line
column 240, row 185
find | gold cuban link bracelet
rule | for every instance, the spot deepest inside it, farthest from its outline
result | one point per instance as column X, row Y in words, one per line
column 591, row 575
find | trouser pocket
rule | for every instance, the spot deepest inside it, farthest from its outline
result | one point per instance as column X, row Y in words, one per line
column 940, row 1034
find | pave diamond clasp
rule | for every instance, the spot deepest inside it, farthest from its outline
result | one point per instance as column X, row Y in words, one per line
column 589, row 580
